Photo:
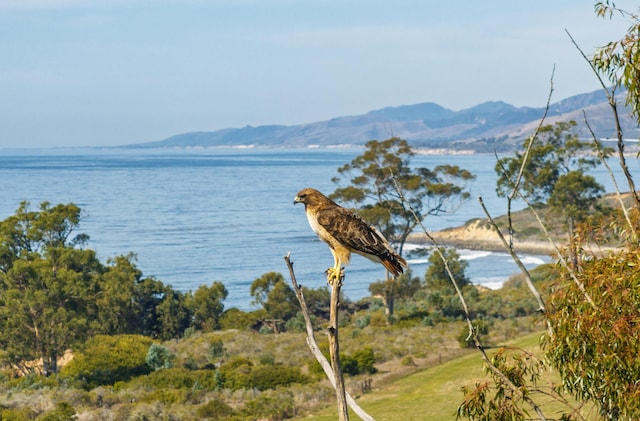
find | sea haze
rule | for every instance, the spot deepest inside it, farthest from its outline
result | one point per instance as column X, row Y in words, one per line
column 193, row 217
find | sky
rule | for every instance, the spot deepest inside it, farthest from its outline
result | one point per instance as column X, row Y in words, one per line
column 115, row 72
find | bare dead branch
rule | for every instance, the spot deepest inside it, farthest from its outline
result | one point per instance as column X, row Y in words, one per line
column 313, row 345
column 334, row 347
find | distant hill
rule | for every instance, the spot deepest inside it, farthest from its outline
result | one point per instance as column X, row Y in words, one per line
column 487, row 127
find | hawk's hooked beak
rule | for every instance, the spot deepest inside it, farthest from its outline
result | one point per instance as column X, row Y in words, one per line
column 296, row 200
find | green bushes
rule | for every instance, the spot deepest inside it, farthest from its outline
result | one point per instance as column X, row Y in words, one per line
column 175, row 378
column 105, row 360
column 359, row 362
column 214, row 410
column 240, row 373
column 158, row 357
column 62, row 412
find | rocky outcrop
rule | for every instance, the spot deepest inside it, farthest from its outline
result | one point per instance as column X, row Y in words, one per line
column 479, row 235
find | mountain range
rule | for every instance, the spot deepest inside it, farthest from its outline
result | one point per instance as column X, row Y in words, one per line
column 487, row 127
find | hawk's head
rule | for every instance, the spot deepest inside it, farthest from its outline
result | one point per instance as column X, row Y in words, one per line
column 309, row 197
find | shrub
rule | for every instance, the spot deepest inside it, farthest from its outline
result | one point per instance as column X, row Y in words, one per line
column 62, row 412
column 268, row 406
column 214, row 410
column 378, row 319
column 216, row 348
column 359, row 362
column 15, row 414
column 482, row 330
column 241, row 320
column 177, row 378
column 159, row 357
column 296, row 324
column 108, row 359
column 362, row 322
column 166, row 396
column 265, row 377
column 240, row 373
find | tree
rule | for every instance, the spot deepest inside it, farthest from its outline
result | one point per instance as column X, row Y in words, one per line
column 380, row 178
column 159, row 357
column 207, row 307
column 403, row 287
column 395, row 198
column 55, row 295
column 596, row 350
column 47, row 286
column 554, row 174
column 593, row 311
column 556, row 151
column 275, row 296
column 437, row 278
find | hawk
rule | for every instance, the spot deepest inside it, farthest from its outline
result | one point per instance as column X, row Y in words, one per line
column 346, row 233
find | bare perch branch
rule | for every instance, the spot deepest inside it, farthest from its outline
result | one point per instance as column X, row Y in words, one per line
column 313, row 345
column 334, row 347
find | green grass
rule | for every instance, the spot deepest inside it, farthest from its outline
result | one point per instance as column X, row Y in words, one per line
column 434, row 393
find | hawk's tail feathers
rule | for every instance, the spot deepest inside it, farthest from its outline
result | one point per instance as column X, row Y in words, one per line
column 395, row 264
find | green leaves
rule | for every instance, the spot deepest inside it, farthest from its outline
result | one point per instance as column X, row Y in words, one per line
column 382, row 186
column 618, row 60
column 55, row 295
column 595, row 350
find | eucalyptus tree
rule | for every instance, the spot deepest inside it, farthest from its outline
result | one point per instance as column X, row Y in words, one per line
column 394, row 197
column 594, row 338
column 386, row 191
column 555, row 168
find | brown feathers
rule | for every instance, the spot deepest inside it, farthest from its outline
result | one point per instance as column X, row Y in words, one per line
column 346, row 233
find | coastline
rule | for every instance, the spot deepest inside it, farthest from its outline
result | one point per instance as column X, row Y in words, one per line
column 477, row 235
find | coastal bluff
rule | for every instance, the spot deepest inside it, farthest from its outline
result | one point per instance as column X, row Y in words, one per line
column 479, row 235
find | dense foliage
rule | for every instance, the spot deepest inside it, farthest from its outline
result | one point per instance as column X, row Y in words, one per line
column 595, row 347
column 55, row 295
column 391, row 195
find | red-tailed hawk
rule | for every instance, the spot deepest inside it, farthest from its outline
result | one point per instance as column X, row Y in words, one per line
column 346, row 233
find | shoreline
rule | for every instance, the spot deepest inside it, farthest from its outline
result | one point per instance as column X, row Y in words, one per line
column 537, row 248
column 477, row 235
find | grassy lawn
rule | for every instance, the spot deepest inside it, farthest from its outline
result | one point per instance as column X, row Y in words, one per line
column 434, row 393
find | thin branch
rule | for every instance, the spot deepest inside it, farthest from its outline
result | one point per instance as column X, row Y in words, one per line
column 561, row 258
column 472, row 331
column 516, row 259
column 525, row 158
column 603, row 159
column 515, row 192
column 614, row 109
column 313, row 345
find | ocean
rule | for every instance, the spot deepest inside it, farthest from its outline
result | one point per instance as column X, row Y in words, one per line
column 197, row 216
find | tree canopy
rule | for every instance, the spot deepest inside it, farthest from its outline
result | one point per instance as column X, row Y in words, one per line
column 386, row 191
column 54, row 294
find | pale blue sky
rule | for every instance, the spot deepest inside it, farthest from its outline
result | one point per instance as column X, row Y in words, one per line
column 111, row 72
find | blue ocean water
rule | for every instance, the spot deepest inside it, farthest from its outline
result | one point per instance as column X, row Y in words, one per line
column 197, row 216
